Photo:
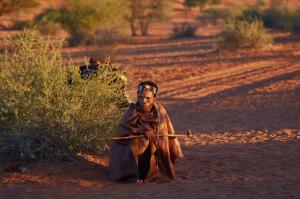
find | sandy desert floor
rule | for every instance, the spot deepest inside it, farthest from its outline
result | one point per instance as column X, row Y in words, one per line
column 242, row 105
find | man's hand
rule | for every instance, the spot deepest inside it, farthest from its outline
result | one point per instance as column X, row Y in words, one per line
column 149, row 135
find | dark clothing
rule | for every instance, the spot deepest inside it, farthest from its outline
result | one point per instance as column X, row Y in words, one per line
column 141, row 158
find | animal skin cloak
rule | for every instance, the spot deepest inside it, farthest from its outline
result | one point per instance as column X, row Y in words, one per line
column 140, row 158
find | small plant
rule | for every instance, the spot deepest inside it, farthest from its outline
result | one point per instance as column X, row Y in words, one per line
column 184, row 30
column 242, row 33
column 47, row 110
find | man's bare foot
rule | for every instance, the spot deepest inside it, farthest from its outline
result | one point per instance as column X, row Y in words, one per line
column 139, row 181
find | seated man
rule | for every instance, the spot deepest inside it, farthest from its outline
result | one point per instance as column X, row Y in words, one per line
column 150, row 157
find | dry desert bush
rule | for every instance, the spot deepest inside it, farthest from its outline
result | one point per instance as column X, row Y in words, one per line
column 44, row 115
column 243, row 33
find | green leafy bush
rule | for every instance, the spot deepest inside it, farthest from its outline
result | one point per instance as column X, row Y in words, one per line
column 184, row 30
column 89, row 21
column 44, row 115
column 95, row 21
column 242, row 33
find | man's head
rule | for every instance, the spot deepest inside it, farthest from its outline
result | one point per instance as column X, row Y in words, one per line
column 95, row 60
column 146, row 94
column 94, row 63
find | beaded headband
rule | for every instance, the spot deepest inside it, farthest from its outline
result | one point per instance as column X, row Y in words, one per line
column 151, row 88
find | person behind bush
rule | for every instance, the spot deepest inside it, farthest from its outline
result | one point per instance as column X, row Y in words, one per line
column 87, row 71
column 95, row 66
column 151, row 157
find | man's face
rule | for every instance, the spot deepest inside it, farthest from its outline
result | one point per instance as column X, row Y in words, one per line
column 146, row 99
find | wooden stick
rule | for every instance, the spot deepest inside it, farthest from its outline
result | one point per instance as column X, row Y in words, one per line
column 188, row 134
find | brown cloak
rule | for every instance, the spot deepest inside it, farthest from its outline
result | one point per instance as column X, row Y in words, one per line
column 128, row 158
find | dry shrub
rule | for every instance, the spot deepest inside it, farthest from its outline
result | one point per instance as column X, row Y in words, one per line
column 88, row 22
column 95, row 21
column 282, row 16
column 42, row 116
column 296, row 24
column 202, row 3
column 52, row 28
column 279, row 18
column 214, row 15
column 49, row 22
column 182, row 30
column 243, row 33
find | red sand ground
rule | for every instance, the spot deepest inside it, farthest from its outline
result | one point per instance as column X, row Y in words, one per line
column 244, row 109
